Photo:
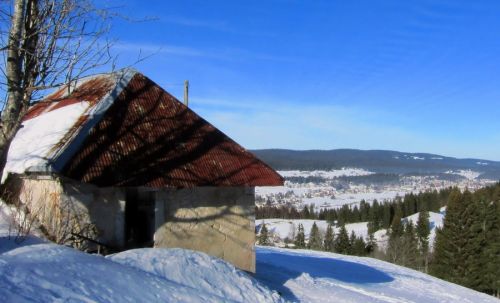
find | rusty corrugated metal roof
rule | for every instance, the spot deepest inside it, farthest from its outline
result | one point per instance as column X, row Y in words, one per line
column 91, row 90
column 148, row 138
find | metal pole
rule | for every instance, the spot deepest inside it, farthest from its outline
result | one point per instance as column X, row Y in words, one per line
column 186, row 92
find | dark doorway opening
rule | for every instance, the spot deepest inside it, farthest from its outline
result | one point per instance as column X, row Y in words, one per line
column 139, row 218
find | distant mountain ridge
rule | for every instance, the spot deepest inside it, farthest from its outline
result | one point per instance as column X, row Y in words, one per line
column 381, row 161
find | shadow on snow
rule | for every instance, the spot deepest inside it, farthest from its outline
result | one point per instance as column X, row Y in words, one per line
column 275, row 268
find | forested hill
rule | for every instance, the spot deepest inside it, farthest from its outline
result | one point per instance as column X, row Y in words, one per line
column 383, row 161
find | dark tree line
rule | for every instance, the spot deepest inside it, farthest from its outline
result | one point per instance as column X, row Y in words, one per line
column 340, row 243
column 379, row 214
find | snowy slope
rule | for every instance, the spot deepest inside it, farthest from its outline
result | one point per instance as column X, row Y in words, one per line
column 48, row 272
column 197, row 270
column 36, row 271
column 310, row 276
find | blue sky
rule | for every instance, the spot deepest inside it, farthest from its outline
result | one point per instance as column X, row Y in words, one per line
column 414, row 76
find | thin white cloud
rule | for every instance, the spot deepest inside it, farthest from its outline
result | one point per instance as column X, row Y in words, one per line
column 210, row 24
column 148, row 48
column 226, row 54
column 216, row 25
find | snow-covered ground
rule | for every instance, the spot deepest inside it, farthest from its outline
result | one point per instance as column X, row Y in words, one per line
column 310, row 276
column 326, row 174
column 327, row 197
column 351, row 198
column 36, row 271
column 468, row 174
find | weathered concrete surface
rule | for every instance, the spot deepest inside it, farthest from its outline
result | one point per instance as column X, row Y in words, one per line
column 65, row 207
column 106, row 209
column 41, row 196
column 217, row 220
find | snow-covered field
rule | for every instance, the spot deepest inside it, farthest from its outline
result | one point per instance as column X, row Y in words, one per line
column 36, row 271
column 321, row 196
column 326, row 174
column 468, row 174
column 351, row 198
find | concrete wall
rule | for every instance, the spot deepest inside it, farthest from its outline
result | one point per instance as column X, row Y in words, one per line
column 106, row 209
column 41, row 196
column 63, row 207
column 217, row 220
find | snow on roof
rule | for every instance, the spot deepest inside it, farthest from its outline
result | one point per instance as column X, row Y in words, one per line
column 54, row 124
column 33, row 146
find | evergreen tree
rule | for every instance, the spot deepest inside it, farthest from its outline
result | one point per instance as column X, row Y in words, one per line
column 375, row 217
column 395, row 245
column 312, row 213
column 491, row 253
column 341, row 243
column 371, row 245
column 305, row 214
column 386, row 215
column 359, row 247
column 300, row 241
column 329, row 239
column 452, row 247
column 315, row 241
column 352, row 241
column 423, row 231
column 264, row 237
column 484, row 266
column 410, row 246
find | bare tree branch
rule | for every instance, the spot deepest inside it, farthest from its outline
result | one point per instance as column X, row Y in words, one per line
column 45, row 43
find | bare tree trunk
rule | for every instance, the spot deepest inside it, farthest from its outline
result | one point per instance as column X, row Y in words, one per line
column 50, row 42
column 10, row 121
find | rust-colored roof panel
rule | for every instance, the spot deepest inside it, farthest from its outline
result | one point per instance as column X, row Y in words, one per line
column 92, row 91
column 148, row 138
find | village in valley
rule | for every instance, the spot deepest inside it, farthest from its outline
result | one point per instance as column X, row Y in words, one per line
column 328, row 190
